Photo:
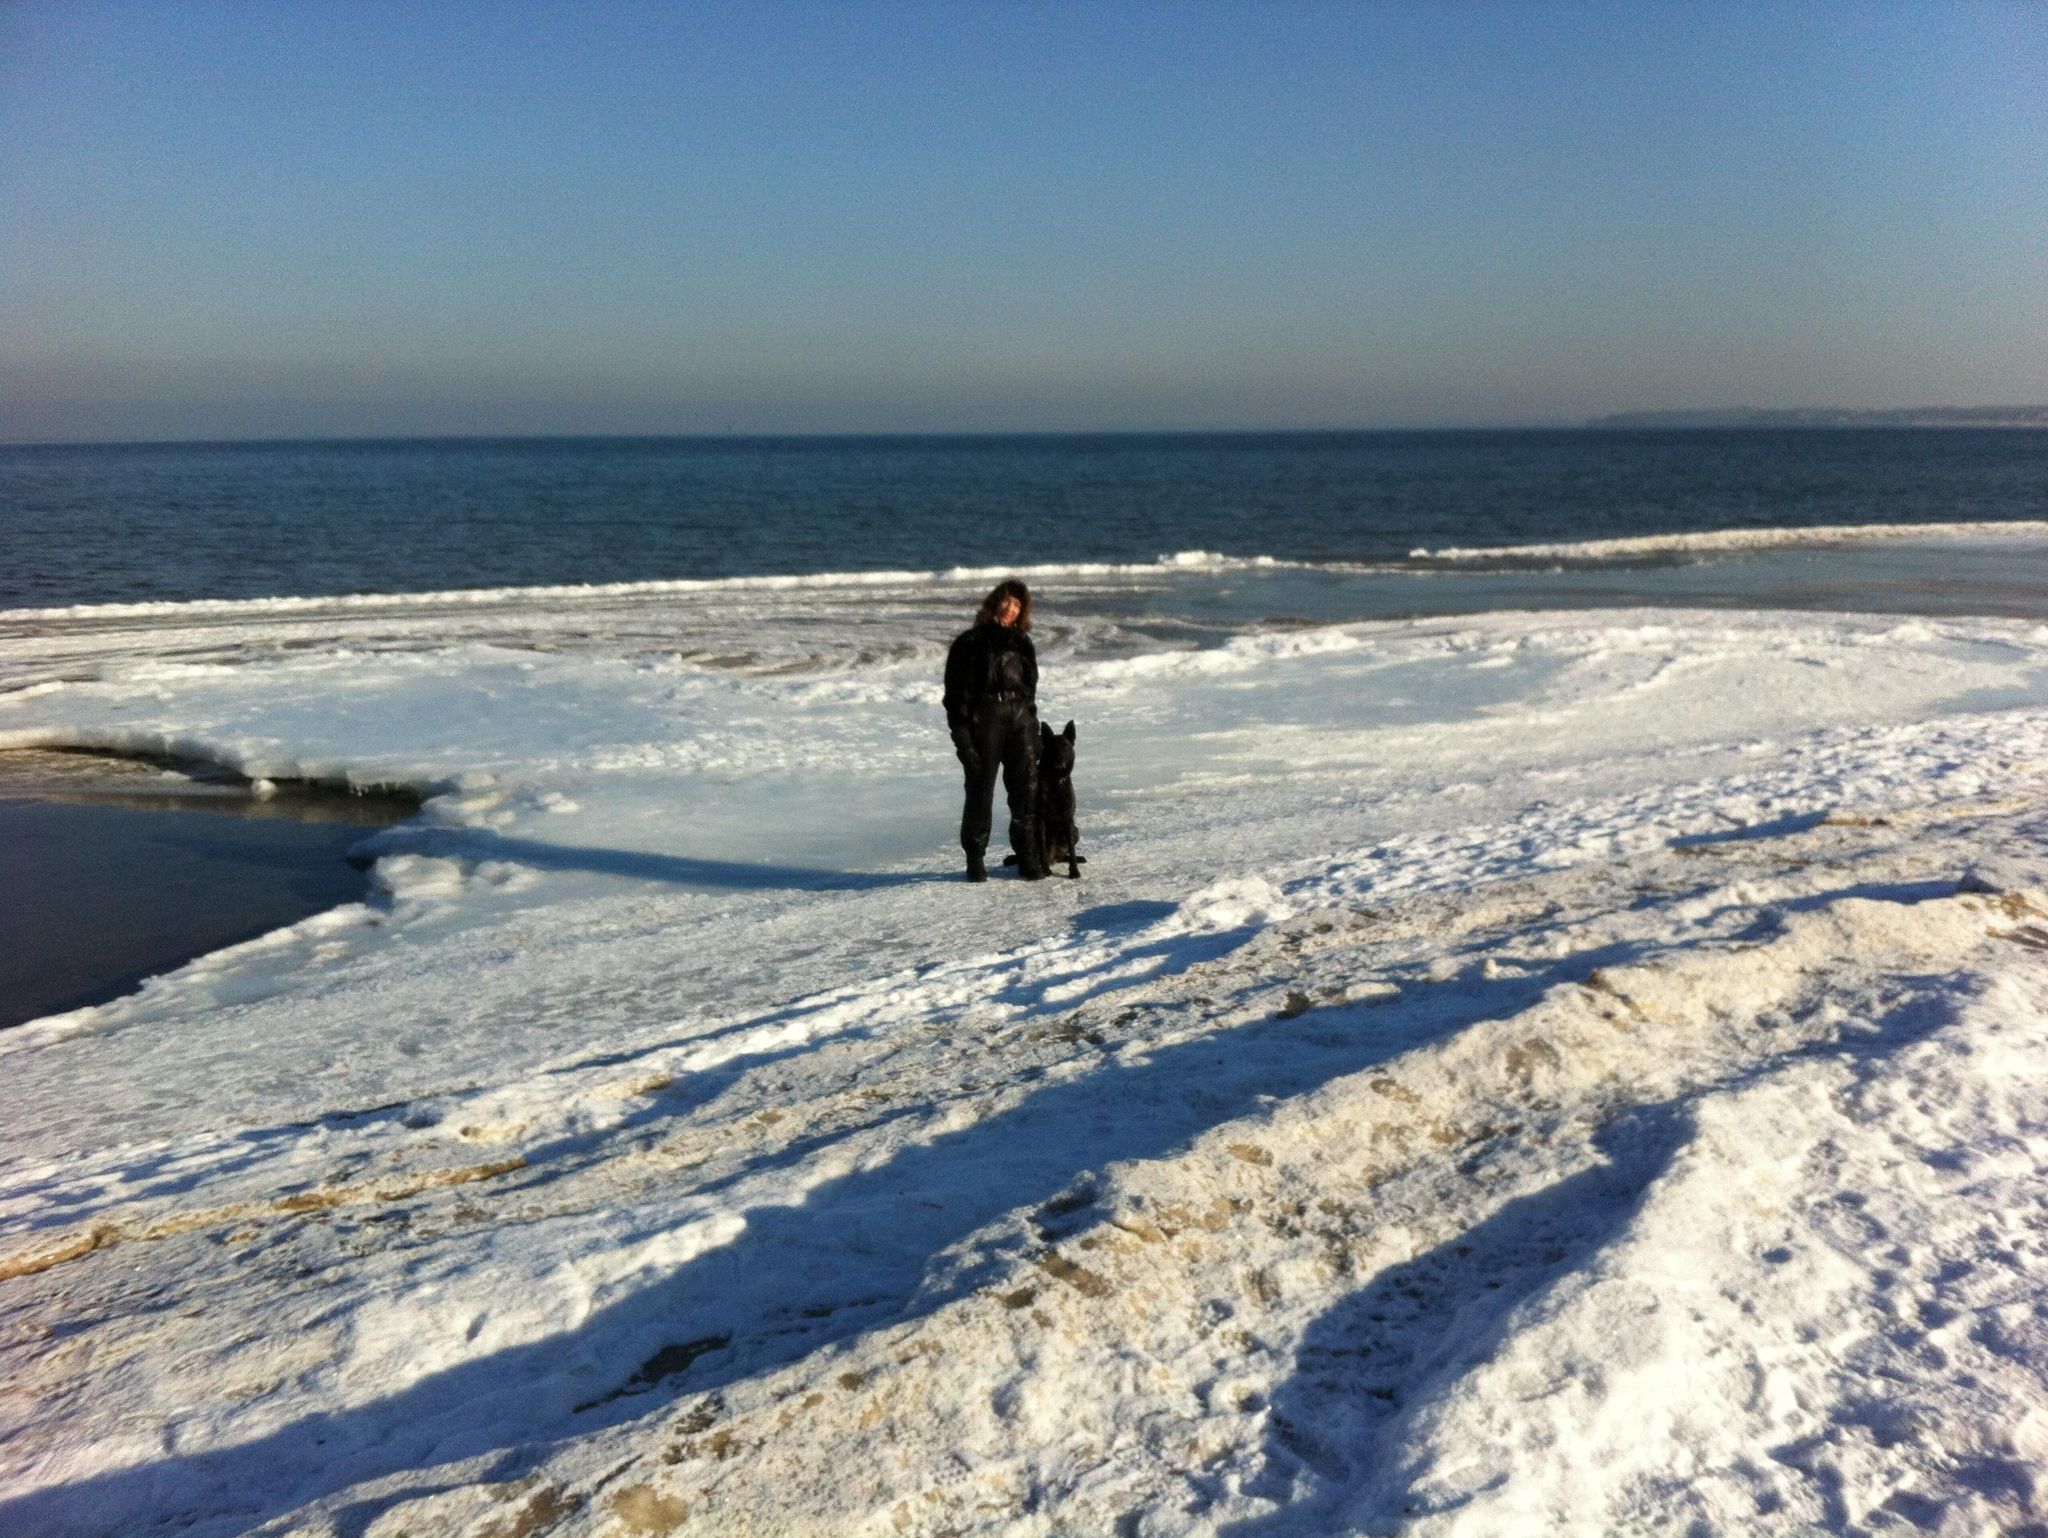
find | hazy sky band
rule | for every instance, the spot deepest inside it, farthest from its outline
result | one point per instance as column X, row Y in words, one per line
column 249, row 220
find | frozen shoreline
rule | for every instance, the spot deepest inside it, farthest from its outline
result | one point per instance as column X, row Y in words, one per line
column 122, row 869
column 1538, row 1069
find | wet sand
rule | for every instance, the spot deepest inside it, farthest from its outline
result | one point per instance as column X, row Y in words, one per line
column 118, row 870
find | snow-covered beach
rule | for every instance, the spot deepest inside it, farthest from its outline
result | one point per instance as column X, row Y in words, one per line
column 1519, row 1072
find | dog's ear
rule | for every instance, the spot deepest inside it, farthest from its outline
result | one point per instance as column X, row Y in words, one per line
column 1068, row 733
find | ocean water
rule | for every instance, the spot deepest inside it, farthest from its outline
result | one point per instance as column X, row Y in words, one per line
column 119, row 871
column 129, row 523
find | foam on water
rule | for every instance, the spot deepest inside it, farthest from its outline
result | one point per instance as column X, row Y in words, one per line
column 1726, row 541
column 1180, row 561
column 140, row 524
column 842, row 586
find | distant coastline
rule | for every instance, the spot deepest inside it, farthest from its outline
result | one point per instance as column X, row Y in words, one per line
column 1831, row 416
column 1729, row 418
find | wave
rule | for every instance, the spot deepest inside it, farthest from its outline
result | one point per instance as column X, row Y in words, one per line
column 1723, row 540
column 1175, row 562
column 1419, row 561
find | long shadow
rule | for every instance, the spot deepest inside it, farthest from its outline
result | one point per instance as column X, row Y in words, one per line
column 639, row 865
column 140, row 1179
column 810, row 1004
column 1781, row 827
column 1338, row 1430
column 698, row 1088
column 139, row 1183
column 870, row 1250
column 1770, row 919
column 1109, row 918
column 1173, row 954
column 1367, row 1365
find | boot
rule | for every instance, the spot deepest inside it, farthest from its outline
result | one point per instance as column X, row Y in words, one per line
column 976, row 870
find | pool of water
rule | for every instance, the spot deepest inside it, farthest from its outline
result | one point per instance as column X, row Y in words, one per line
column 117, row 871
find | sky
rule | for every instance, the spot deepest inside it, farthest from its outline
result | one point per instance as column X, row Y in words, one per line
column 224, row 220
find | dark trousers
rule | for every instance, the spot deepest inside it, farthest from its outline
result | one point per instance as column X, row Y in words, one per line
column 1004, row 735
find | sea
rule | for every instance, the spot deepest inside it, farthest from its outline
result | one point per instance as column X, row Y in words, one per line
column 776, row 555
column 1373, row 513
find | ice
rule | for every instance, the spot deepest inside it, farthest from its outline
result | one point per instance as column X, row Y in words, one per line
column 1525, row 1072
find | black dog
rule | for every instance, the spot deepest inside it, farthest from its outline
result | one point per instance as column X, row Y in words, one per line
column 1057, row 834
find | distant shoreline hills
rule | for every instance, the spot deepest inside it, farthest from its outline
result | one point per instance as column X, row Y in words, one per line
column 1728, row 418
column 1831, row 416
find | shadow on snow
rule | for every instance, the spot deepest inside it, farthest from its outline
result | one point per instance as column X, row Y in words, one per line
column 639, row 865
column 867, row 1251
column 1340, row 1452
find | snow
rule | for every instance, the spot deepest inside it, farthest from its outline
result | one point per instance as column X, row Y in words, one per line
column 1522, row 1073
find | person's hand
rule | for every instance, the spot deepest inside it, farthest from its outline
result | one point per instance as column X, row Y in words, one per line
column 963, row 749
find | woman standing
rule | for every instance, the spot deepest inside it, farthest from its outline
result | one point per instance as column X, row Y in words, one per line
column 992, row 711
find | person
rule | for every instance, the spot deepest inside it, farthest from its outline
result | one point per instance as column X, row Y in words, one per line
column 992, row 712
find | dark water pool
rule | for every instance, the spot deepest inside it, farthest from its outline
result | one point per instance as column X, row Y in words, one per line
column 114, row 871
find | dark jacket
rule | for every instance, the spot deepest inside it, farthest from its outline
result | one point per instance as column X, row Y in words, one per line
column 988, row 662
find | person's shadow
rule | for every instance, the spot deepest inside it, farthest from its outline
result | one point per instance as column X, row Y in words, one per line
column 481, row 844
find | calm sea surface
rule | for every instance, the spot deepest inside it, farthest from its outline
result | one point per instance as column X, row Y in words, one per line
column 113, row 524
column 104, row 524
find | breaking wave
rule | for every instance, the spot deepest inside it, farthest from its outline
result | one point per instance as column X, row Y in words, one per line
column 1720, row 541
column 1175, row 562
column 1419, row 562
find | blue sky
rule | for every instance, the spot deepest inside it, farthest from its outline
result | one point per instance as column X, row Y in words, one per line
column 250, row 219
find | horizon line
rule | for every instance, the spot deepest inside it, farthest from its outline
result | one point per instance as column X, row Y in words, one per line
column 1681, row 420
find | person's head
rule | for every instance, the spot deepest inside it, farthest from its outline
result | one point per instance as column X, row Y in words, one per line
column 1008, row 603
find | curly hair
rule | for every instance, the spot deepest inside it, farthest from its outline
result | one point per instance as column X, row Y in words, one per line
column 1009, row 587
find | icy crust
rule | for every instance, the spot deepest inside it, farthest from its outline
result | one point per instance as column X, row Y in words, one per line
column 1721, row 541
column 1546, row 1073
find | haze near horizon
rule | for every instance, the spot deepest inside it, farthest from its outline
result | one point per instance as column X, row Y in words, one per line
column 227, row 221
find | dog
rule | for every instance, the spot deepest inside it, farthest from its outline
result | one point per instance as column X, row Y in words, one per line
column 1057, row 834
